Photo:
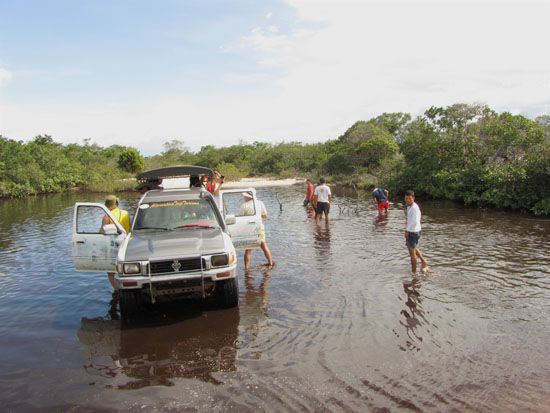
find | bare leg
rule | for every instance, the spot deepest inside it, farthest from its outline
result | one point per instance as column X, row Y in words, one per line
column 111, row 276
column 247, row 255
column 326, row 218
column 267, row 253
column 419, row 255
column 412, row 254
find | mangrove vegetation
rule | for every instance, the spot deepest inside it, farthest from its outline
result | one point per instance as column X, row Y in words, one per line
column 465, row 153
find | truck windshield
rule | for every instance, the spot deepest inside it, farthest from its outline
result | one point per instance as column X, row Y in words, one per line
column 172, row 215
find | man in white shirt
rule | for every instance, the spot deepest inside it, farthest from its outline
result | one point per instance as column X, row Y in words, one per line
column 247, row 209
column 321, row 198
column 412, row 232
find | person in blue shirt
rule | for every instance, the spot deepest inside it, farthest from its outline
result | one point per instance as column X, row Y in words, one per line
column 380, row 196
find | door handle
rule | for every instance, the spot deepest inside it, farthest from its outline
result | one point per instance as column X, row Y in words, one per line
column 80, row 242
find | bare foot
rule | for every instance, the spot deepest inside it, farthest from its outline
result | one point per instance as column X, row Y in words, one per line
column 426, row 270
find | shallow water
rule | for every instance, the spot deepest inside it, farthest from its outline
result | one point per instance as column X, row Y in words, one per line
column 337, row 325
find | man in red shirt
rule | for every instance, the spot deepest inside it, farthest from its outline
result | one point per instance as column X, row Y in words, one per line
column 309, row 192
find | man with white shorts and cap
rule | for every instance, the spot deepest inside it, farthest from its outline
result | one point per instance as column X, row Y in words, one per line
column 247, row 208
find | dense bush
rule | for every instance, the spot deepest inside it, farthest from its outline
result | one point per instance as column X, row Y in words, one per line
column 473, row 155
column 467, row 153
column 42, row 166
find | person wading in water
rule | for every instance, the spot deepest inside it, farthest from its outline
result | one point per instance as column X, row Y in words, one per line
column 322, row 197
column 381, row 196
column 412, row 232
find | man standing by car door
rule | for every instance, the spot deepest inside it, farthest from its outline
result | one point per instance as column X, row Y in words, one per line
column 247, row 209
column 322, row 196
column 122, row 216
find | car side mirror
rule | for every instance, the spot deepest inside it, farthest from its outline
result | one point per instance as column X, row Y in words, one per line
column 230, row 219
column 110, row 229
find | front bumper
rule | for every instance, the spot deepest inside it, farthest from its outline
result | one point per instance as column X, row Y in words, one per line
column 138, row 282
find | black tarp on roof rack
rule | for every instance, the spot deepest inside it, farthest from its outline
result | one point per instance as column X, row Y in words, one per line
column 179, row 171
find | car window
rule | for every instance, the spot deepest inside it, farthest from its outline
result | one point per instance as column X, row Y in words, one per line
column 176, row 214
column 89, row 219
column 236, row 203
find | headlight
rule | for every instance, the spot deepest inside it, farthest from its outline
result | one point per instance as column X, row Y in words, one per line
column 219, row 260
column 132, row 268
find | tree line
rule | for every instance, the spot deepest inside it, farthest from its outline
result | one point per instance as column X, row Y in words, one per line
column 465, row 153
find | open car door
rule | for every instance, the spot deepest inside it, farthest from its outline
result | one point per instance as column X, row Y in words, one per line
column 245, row 212
column 95, row 247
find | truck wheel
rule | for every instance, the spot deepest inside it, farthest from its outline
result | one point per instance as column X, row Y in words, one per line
column 129, row 303
column 228, row 293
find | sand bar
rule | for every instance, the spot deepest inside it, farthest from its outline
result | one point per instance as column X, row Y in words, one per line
column 173, row 183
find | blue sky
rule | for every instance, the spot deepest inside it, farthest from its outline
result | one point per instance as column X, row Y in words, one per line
column 216, row 72
column 104, row 49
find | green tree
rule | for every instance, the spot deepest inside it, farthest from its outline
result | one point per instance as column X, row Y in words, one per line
column 175, row 148
column 394, row 123
column 360, row 131
column 130, row 160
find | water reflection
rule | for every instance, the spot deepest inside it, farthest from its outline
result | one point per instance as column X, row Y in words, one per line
column 307, row 333
column 310, row 213
column 255, row 303
column 381, row 220
column 162, row 346
column 413, row 314
column 322, row 241
column 258, row 294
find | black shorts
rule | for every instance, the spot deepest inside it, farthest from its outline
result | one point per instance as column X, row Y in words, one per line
column 412, row 239
column 322, row 207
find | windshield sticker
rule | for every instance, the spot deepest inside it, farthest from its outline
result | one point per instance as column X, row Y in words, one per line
column 144, row 206
column 175, row 203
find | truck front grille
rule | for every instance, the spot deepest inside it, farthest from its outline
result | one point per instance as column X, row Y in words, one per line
column 176, row 266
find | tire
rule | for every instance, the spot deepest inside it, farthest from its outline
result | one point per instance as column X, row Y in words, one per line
column 228, row 293
column 129, row 303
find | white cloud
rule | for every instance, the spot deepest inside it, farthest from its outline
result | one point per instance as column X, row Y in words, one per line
column 369, row 57
column 338, row 63
column 5, row 76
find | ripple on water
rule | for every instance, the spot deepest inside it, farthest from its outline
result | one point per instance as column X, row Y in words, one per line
column 338, row 324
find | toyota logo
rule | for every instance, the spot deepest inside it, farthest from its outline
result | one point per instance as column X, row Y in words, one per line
column 176, row 265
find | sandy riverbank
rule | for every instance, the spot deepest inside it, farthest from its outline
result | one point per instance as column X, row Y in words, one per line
column 262, row 182
column 242, row 183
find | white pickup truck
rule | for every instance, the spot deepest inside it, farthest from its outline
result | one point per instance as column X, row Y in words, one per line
column 181, row 243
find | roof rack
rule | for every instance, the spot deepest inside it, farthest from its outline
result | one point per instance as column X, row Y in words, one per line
column 179, row 171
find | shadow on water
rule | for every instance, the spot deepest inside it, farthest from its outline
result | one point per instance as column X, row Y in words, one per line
column 184, row 339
